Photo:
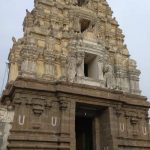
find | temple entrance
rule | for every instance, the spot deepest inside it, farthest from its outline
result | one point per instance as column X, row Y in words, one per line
column 84, row 133
column 85, row 127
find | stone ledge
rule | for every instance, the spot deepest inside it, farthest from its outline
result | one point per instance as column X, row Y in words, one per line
column 74, row 88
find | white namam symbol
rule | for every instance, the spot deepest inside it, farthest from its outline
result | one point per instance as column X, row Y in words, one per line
column 54, row 121
column 21, row 120
column 144, row 129
column 122, row 127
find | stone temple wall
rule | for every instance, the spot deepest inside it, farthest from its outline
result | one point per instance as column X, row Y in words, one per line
column 72, row 60
column 45, row 115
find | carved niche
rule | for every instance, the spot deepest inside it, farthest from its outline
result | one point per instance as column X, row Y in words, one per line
column 38, row 107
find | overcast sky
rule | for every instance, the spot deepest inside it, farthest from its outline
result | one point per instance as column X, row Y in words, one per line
column 132, row 15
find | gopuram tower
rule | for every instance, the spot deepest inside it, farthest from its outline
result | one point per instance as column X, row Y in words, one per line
column 72, row 84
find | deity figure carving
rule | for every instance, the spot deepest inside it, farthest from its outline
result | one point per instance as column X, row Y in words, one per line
column 50, row 43
column 109, row 77
column 80, row 64
column 14, row 40
column 28, row 21
column 71, row 67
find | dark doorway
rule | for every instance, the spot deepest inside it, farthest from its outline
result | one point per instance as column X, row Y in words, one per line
column 88, row 126
column 84, row 133
column 86, row 70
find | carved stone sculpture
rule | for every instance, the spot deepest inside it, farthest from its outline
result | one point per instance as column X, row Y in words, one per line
column 80, row 64
column 71, row 67
column 109, row 77
column 14, row 40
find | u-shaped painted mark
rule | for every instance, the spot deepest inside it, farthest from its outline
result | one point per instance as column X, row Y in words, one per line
column 21, row 120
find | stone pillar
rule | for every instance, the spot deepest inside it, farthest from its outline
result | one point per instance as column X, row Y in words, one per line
column 113, row 129
column 63, row 68
column 107, row 125
column 72, row 125
column 96, row 127
column 64, row 131
column 134, row 82
column 100, row 70
column 118, row 78
column 13, row 71
column 71, row 67
column 134, row 77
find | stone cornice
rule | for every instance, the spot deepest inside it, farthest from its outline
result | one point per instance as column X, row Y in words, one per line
column 76, row 89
